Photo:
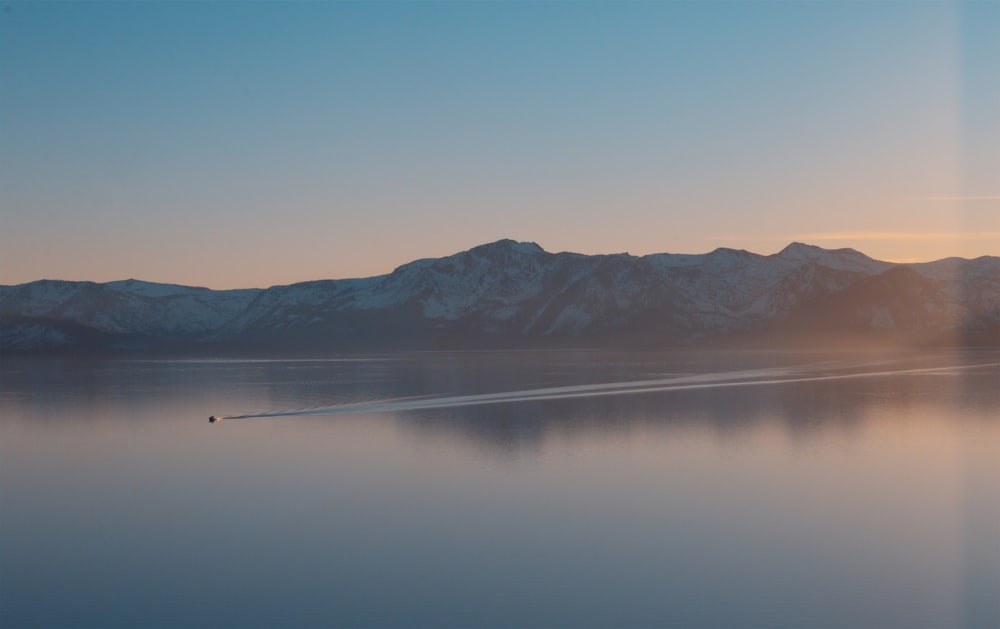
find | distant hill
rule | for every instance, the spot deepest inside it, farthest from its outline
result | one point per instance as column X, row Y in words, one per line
column 515, row 294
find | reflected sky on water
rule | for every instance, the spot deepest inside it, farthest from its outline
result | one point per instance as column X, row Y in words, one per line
column 857, row 501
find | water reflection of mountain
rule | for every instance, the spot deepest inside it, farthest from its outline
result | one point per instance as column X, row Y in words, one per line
column 803, row 409
column 78, row 390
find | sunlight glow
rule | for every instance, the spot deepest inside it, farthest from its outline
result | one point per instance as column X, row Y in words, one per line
column 982, row 197
column 896, row 236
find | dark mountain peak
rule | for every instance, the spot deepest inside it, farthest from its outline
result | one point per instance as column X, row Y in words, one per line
column 844, row 259
column 507, row 245
column 729, row 252
column 503, row 256
column 48, row 283
column 898, row 270
column 896, row 275
column 800, row 250
column 152, row 289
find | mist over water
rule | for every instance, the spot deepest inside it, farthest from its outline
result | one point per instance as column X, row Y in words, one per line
column 503, row 488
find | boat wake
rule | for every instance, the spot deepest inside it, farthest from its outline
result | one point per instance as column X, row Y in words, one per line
column 746, row 378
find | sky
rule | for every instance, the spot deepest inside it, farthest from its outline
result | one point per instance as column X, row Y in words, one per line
column 251, row 143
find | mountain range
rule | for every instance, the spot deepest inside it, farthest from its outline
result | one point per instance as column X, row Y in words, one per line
column 516, row 294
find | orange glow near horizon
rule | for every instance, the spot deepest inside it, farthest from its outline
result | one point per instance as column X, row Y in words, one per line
column 279, row 170
column 212, row 270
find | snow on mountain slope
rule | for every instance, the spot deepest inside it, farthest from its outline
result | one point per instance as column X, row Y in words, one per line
column 42, row 296
column 293, row 304
column 125, row 308
column 975, row 281
column 479, row 279
column 737, row 288
column 725, row 282
column 839, row 259
column 517, row 290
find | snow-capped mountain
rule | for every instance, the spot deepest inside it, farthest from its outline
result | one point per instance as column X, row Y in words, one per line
column 515, row 293
column 128, row 313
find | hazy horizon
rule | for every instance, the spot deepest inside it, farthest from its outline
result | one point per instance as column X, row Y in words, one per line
column 401, row 263
column 257, row 144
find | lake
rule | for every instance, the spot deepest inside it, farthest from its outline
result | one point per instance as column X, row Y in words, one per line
column 567, row 488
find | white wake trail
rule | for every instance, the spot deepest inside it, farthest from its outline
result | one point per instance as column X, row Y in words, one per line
column 748, row 378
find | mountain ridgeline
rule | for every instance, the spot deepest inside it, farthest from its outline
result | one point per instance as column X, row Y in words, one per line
column 515, row 294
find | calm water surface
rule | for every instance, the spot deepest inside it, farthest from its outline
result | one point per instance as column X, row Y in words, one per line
column 503, row 489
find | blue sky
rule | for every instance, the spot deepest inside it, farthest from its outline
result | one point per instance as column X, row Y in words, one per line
column 253, row 143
